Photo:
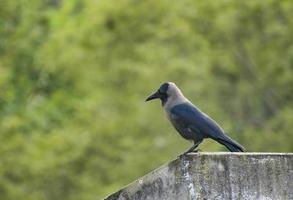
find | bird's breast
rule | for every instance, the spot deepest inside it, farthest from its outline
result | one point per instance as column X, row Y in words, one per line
column 168, row 114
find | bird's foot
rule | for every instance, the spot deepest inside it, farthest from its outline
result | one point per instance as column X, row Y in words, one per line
column 196, row 150
column 183, row 154
column 187, row 152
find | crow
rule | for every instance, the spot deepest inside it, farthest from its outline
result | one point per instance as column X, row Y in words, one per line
column 189, row 121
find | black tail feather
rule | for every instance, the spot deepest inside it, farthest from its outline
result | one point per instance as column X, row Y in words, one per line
column 232, row 146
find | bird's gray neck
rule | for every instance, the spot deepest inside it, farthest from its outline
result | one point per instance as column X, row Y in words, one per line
column 173, row 101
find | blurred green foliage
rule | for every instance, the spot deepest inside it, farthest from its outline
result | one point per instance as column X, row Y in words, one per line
column 74, row 75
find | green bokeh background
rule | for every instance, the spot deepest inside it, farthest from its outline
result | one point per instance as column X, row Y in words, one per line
column 74, row 76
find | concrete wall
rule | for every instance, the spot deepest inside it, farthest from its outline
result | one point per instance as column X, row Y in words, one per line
column 262, row 176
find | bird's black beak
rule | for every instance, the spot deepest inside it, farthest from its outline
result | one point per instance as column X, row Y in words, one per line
column 153, row 96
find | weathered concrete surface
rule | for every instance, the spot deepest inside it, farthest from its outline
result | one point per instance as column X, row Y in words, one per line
column 265, row 176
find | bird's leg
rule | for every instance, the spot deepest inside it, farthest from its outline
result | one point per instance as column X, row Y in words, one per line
column 192, row 149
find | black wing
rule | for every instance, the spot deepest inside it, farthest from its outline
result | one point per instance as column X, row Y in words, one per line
column 200, row 122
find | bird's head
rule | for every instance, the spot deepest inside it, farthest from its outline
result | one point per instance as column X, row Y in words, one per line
column 166, row 92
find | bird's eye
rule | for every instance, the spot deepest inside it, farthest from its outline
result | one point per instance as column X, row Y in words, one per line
column 161, row 92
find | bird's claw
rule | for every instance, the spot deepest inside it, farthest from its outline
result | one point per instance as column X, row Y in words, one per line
column 187, row 152
column 181, row 155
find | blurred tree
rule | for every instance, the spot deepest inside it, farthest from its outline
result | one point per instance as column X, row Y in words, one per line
column 74, row 75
